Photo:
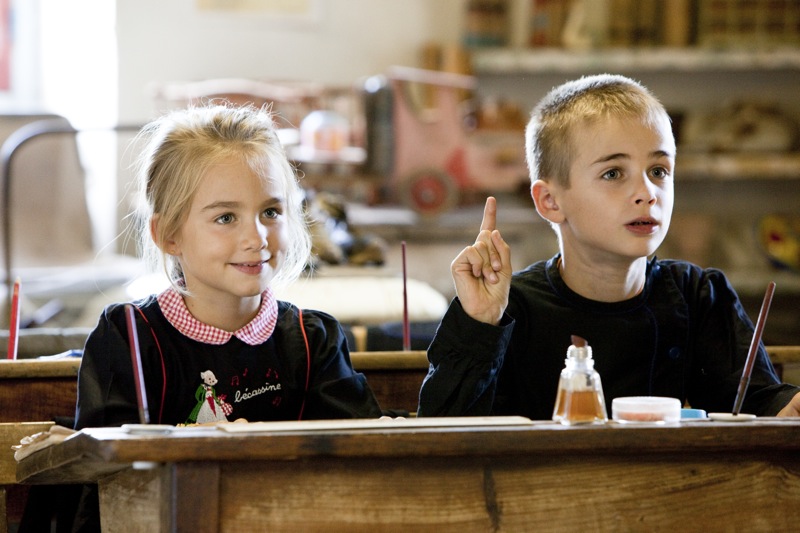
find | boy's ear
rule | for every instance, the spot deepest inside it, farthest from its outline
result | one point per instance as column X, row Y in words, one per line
column 169, row 246
column 544, row 199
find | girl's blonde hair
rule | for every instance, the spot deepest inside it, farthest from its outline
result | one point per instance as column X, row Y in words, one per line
column 181, row 146
column 549, row 145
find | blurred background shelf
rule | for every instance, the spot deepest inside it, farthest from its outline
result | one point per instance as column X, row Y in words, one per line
column 741, row 166
column 500, row 60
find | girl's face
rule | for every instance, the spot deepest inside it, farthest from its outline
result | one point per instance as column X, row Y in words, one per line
column 234, row 237
column 619, row 204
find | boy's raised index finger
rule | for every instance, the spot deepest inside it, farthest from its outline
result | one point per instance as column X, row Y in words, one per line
column 489, row 221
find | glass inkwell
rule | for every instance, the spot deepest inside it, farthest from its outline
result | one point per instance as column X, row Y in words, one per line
column 580, row 393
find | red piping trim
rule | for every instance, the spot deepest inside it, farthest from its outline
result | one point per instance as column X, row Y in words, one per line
column 164, row 370
column 308, row 365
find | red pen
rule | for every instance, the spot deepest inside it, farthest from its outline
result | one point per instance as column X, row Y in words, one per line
column 751, row 355
column 136, row 361
column 406, row 328
column 13, row 328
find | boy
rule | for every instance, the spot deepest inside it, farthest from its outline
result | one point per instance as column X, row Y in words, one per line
column 601, row 155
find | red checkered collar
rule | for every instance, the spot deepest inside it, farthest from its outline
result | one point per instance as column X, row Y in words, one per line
column 256, row 332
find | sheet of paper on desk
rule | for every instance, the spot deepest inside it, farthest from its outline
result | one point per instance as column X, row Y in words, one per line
column 375, row 423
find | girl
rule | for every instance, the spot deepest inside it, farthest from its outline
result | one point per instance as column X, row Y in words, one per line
column 222, row 214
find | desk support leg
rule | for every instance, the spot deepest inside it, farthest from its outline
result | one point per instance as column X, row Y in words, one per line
column 194, row 492
column 3, row 510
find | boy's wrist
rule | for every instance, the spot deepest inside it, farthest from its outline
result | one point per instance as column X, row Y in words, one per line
column 492, row 316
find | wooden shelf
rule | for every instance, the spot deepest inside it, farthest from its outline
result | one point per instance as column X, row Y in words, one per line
column 554, row 60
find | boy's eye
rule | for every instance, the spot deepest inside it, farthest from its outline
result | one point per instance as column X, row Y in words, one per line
column 660, row 173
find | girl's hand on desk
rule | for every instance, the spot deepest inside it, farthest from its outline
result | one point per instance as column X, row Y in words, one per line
column 482, row 271
column 792, row 408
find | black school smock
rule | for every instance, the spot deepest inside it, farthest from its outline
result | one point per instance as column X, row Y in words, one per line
column 258, row 383
column 686, row 335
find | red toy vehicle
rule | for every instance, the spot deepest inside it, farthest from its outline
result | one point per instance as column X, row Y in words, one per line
column 418, row 141
column 438, row 161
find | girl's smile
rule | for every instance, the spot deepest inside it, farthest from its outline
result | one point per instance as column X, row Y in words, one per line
column 251, row 268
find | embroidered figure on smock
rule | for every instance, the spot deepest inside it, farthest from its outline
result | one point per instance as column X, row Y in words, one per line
column 209, row 407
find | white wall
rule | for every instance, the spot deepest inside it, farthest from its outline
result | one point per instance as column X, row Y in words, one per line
column 78, row 61
column 93, row 60
column 347, row 39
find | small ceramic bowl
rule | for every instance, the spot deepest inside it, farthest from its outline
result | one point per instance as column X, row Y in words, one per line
column 650, row 409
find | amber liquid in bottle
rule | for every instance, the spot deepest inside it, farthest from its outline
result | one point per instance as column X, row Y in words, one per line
column 580, row 394
column 578, row 407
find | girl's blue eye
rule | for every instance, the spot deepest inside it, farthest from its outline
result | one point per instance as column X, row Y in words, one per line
column 225, row 219
column 611, row 174
column 271, row 212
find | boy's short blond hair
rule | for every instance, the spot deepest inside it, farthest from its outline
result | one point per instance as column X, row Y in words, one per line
column 549, row 146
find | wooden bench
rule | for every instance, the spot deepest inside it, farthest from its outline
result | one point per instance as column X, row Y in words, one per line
column 36, row 389
column 395, row 377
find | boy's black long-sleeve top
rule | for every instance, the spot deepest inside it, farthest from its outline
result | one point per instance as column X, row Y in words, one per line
column 686, row 335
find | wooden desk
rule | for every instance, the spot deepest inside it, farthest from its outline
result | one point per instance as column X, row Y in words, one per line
column 698, row 476
column 782, row 355
column 31, row 390
column 12, row 498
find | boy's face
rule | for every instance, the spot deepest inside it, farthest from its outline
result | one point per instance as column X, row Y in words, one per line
column 619, row 203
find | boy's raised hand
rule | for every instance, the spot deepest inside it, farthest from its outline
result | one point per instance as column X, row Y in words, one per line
column 482, row 271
